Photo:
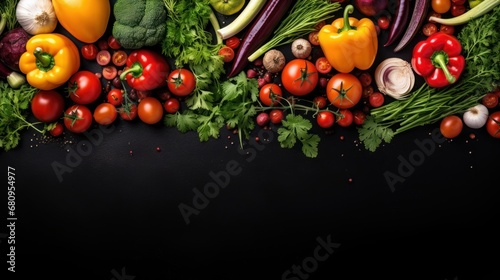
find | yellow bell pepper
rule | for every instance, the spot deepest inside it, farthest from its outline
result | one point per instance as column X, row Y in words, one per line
column 49, row 61
column 86, row 20
column 348, row 42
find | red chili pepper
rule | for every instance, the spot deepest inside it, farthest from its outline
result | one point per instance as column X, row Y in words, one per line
column 146, row 70
column 438, row 59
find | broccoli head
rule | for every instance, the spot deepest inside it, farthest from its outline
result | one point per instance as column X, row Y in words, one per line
column 139, row 23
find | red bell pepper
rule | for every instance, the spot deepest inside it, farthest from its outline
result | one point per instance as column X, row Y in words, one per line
column 146, row 70
column 438, row 59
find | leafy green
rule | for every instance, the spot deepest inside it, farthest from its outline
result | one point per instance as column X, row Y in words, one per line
column 14, row 104
column 296, row 128
column 426, row 105
column 8, row 11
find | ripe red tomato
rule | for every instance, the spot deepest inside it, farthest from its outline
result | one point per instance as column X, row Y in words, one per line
column 493, row 124
column 89, row 51
column 47, row 105
column 119, row 58
column 299, row 76
column 227, row 53
column 181, row 82
column 269, row 94
column 365, row 78
column 113, row 43
column 344, row 90
column 325, row 119
column 429, row 28
column 172, row 105
column 346, row 119
column 376, row 99
column 57, row 129
column 323, row 65
column 458, row 2
column 358, row 116
column 457, row 9
column 103, row 57
column 109, row 72
column 490, row 100
column 383, row 22
column 313, row 38
column 276, row 116
column 447, row 29
column 233, row 42
column 84, row 87
column 320, row 101
column 77, row 118
column 105, row 113
column 150, row 110
column 128, row 112
column 451, row 126
column 115, row 97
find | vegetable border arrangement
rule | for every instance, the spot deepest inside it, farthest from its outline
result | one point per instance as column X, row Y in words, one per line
column 201, row 66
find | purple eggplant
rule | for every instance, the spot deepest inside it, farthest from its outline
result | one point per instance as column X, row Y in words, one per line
column 420, row 11
column 398, row 24
column 257, row 34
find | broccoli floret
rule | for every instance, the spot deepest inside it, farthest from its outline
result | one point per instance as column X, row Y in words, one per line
column 139, row 23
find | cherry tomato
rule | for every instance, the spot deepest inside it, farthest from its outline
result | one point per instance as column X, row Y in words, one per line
column 119, row 58
column 458, row 2
column 47, row 105
column 89, row 51
column 105, row 113
column 150, row 110
column 457, row 10
column 313, row 38
column 429, row 28
column 77, row 118
column 346, row 118
column 113, row 43
column 227, row 53
column 490, row 100
column 299, row 76
column 493, row 124
column 319, row 25
column 376, row 99
column 325, row 119
column 447, row 29
column 102, row 44
column 276, row 116
column 358, row 117
column 270, row 94
column 365, row 78
column 344, row 90
column 181, row 82
column 323, row 65
column 451, row 126
column 103, row 57
column 383, row 22
column 441, row 6
column 84, row 87
column 172, row 105
column 57, row 130
column 128, row 112
column 320, row 101
column 233, row 42
column 115, row 97
column 109, row 72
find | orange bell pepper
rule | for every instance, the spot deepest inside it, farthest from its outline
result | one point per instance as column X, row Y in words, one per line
column 348, row 42
column 86, row 20
column 49, row 61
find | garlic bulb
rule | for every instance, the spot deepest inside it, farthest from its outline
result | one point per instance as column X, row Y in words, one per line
column 36, row 16
column 394, row 77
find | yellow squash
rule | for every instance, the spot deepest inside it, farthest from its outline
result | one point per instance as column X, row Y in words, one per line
column 349, row 43
column 49, row 61
column 86, row 20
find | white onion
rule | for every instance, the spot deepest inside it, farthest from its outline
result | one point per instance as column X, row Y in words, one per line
column 36, row 17
column 476, row 117
column 394, row 77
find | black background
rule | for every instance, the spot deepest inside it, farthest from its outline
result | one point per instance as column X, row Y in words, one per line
column 116, row 214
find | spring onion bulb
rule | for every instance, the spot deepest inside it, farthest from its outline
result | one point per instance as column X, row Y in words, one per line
column 242, row 20
column 480, row 9
column 394, row 77
column 36, row 17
